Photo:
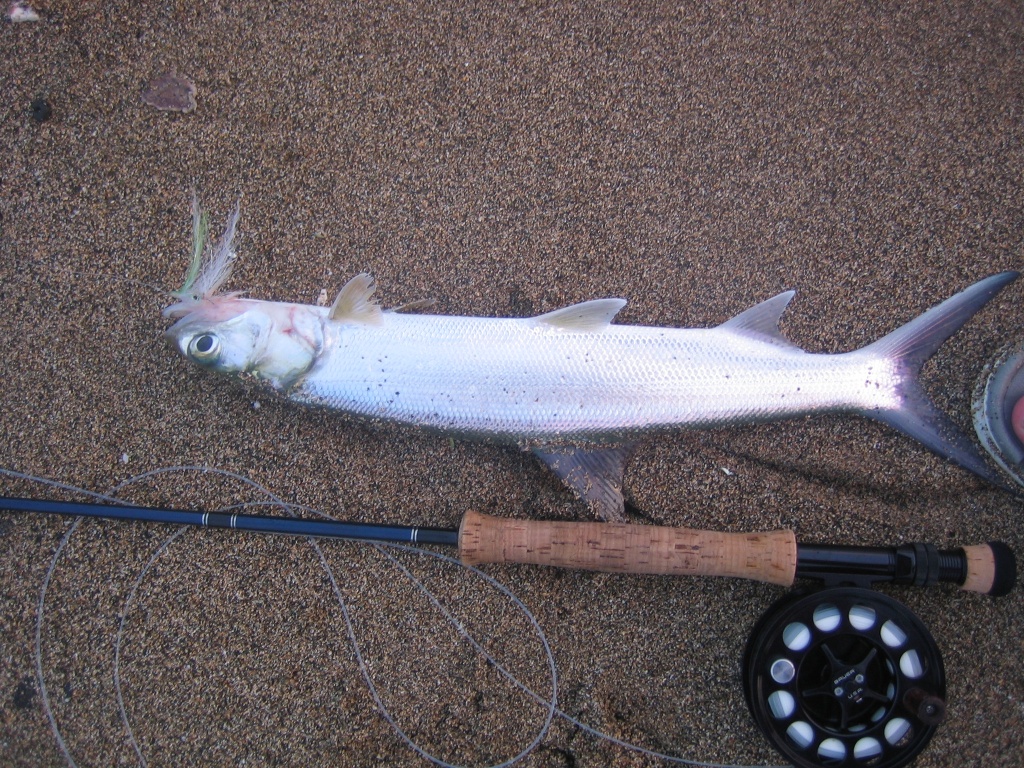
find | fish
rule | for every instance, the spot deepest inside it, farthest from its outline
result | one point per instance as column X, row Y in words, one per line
column 570, row 385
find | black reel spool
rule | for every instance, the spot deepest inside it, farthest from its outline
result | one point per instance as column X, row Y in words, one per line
column 844, row 677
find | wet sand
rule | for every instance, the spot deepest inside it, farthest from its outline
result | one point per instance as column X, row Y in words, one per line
column 694, row 160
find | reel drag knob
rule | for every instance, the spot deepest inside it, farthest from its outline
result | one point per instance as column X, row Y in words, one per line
column 844, row 676
column 930, row 709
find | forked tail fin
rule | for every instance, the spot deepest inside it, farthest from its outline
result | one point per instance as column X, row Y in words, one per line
column 910, row 346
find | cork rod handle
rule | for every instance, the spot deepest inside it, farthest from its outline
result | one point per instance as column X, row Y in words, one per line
column 626, row 548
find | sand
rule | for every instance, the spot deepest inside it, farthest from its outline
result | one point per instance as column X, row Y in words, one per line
column 694, row 159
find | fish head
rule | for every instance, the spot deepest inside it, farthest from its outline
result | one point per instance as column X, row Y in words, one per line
column 273, row 342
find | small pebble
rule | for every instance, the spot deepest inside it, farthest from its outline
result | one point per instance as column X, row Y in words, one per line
column 169, row 92
column 40, row 109
column 19, row 12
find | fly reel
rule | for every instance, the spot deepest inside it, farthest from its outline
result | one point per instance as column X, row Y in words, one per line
column 844, row 677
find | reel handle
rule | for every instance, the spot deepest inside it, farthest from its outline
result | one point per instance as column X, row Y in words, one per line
column 628, row 548
column 773, row 556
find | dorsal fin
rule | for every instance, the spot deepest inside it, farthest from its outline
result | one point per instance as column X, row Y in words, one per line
column 594, row 315
column 355, row 302
column 762, row 320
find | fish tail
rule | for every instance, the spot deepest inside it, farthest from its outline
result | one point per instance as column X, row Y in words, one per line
column 910, row 346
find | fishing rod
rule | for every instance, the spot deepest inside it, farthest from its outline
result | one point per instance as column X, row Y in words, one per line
column 773, row 556
column 830, row 675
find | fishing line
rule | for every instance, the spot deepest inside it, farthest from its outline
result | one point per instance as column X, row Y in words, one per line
column 120, row 634
column 37, row 649
column 551, row 704
column 519, row 684
column 548, row 702
column 350, row 629
column 40, row 605
column 277, row 502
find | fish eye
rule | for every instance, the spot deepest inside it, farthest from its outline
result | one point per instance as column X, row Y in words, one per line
column 204, row 347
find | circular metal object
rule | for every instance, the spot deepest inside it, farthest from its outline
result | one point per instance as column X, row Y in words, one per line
column 844, row 676
column 999, row 390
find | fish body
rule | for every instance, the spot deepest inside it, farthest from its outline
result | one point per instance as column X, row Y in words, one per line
column 532, row 382
column 570, row 385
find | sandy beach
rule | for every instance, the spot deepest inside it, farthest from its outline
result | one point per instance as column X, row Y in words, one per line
column 694, row 159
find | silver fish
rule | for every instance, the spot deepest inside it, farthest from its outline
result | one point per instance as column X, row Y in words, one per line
column 569, row 385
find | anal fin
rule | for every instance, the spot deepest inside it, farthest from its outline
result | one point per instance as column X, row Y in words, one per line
column 594, row 473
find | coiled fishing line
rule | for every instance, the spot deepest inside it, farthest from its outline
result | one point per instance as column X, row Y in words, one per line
column 130, row 606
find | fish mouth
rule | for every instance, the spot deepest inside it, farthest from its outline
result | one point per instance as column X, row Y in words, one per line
column 174, row 340
column 178, row 335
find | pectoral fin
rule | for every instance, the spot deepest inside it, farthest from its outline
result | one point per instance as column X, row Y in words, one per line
column 355, row 303
column 594, row 473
